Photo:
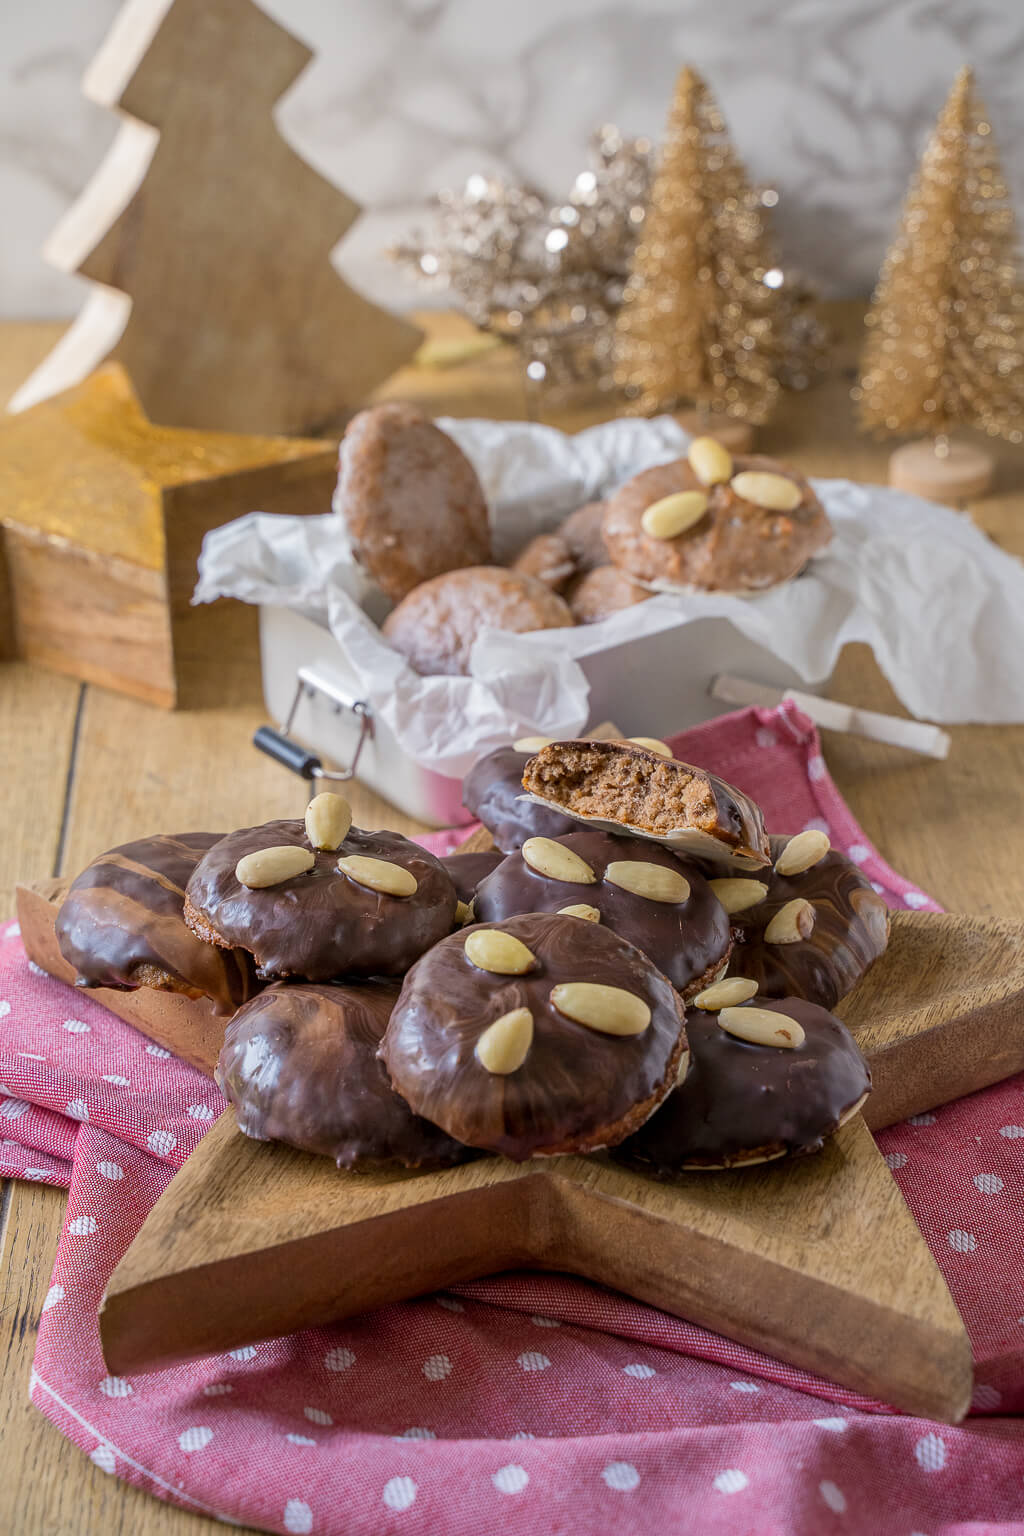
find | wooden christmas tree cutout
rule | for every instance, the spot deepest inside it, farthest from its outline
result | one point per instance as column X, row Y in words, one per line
column 211, row 237
column 817, row 1262
column 946, row 326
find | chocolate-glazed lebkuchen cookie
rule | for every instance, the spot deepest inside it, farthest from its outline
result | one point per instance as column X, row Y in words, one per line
column 121, row 925
column 636, row 888
column 300, row 1065
column 815, row 930
column 624, row 787
column 468, row 869
column 765, row 1079
column 492, row 791
column 540, row 1035
column 321, row 902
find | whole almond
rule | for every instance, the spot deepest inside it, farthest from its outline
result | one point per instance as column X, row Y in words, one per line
column 505, row 1044
column 379, row 875
column 777, row 493
column 726, row 993
column 328, row 819
column 608, row 1010
column 502, row 953
column 652, row 743
column 531, row 743
column 672, row 515
column 580, row 909
column 738, row 895
column 791, row 923
column 761, row 1026
column 654, row 881
column 272, row 866
column 556, row 861
column 710, row 460
column 802, row 852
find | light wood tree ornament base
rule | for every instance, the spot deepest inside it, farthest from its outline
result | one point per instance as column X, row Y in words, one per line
column 817, row 1262
column 953, row 478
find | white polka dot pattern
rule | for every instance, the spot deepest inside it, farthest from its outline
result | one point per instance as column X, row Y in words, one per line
column 399, row 1493
column 621, row 1476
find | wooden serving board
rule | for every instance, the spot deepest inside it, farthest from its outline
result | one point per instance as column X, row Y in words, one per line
column 252, row 1241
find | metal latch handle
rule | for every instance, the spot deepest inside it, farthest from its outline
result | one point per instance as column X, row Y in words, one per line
column 280, row 745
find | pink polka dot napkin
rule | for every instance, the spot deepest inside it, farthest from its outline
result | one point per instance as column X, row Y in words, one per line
column 533, row 1404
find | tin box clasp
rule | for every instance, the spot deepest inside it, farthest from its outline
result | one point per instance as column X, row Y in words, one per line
column 284, row 749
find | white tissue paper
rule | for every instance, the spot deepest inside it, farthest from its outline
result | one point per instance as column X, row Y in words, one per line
column 940, row 605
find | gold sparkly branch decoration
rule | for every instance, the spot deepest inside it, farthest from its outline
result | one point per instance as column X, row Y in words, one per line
column 550, row 277
column 700, row 315
column 945, row 342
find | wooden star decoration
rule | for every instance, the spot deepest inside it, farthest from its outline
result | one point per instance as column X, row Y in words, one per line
column 817, row 1262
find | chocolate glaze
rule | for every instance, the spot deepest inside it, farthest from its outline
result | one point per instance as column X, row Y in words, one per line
column 322, row 925
column 577, row 1090
column 851, row 930
column 299, row 1063
column 121, row 924
column 686, row 940
column 565, row 774
column 468, row 869
column 740, row 1102
column 492, row 791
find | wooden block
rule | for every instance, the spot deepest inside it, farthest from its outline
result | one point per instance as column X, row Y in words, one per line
column 252, row 1241
column 954, row 477
column 211, row 237
column 103, row 517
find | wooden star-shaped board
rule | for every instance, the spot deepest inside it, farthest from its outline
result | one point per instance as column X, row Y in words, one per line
column 817, row 1262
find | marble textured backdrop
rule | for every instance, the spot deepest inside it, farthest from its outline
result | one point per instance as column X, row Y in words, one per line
column 829, row 100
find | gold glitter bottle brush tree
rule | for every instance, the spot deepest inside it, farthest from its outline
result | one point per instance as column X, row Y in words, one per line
column 701, row 318
column 945, row 344
column 550, row 277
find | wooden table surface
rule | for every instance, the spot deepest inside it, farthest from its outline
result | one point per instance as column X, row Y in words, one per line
column 86, row 769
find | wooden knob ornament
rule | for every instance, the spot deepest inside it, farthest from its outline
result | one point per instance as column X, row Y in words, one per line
column 941, row 470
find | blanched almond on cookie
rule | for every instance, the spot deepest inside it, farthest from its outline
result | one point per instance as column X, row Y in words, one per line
column 272, row 866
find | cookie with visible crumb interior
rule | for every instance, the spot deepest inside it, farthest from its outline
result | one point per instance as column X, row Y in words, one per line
column 740, row 1101
column 410, row 499
column 534, row 1037
column 434, row 627
column 623, row 787
column 738, row 544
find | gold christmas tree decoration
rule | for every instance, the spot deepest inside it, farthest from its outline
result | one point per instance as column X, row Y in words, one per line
column 945, row 341
column 699, row 320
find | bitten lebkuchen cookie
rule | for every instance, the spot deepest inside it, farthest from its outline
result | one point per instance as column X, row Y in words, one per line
column 624, row 787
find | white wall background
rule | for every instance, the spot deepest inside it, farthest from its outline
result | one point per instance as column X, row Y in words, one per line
column 829, row 100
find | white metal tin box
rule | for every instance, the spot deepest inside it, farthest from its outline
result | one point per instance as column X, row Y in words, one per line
column 654, row 685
